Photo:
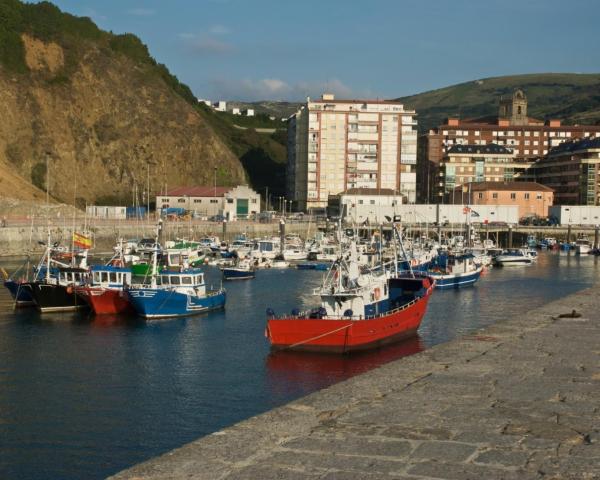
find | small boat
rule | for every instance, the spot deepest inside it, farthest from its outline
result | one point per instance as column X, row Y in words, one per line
column 455, row 271
column 105, row 293
column 358, row 310
column 583, row 246
column 243, row 270
column 513, row 257
column 294, row 253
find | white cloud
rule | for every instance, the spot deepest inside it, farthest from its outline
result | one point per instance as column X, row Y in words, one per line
column 209, row 46
column 277, row 89
column 219, row 30
column 141, row 12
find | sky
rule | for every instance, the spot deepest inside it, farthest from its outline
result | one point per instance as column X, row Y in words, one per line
column 252, row 50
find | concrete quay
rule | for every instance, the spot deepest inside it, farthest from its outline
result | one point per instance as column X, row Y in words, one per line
column 516, row 400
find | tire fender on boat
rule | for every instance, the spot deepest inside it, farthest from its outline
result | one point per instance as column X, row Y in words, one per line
column 377, row 293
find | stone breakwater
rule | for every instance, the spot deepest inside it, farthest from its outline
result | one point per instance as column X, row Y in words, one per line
column 23, row 239
column 517, row 400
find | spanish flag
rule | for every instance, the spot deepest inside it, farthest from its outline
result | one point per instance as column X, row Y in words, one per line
column 82, row 241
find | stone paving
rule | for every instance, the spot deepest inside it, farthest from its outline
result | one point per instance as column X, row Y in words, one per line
column 518, row 400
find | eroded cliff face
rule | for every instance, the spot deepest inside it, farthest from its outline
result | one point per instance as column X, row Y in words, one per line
column 102, row 128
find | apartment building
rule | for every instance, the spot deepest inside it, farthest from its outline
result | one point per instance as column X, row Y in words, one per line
column 336, row 145
column 532, row 198
column 512, row 128
column 464, row 164
column 572, row 170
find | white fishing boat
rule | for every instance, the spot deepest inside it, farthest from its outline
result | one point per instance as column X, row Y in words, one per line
column 582, row 246
column 513, row 257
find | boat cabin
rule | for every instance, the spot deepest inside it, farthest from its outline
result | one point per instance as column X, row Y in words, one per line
column 110, row 277
column 72, row 276
column 182, row 281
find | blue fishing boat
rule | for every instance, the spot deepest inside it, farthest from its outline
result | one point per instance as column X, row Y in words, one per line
column 455, row 271
column 243, row 270
column 20, row 292
column 175, row 294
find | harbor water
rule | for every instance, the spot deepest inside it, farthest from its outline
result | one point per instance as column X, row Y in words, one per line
column 84, row 396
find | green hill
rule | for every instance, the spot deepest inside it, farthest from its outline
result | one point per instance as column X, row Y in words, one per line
column 573, row 98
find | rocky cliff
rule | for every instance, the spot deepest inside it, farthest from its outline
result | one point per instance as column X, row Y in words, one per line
column 98, row 110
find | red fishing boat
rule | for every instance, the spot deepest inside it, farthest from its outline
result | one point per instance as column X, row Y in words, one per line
column 105, row 294
column 358, row 310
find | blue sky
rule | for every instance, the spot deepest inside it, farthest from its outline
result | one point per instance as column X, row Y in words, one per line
column 286, row 50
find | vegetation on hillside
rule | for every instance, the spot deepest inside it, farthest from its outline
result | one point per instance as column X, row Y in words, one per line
column 573, row 98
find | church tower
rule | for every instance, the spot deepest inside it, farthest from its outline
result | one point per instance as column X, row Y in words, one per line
column 514, row 108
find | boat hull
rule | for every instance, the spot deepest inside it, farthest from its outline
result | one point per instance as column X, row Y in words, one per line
column 157, row 303
column 56, row 298
column 344, row 335
column 238, row 274
column 21, row 293
column 105, row 301
column 459, row 280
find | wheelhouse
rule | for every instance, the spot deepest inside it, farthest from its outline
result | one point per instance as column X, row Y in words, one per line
column 181, row 279
column 111, row 276
column 68, row 276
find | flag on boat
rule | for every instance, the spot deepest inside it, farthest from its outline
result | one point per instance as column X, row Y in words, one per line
column 82, row 241
column 474, row 213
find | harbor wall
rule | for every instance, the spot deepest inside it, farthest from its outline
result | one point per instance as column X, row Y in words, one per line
column 516, row 400
column 23, row 239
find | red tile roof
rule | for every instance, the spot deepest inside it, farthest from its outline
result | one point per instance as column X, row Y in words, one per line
column 198, row 191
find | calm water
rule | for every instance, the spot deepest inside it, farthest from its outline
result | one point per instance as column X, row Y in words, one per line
column 84, row 397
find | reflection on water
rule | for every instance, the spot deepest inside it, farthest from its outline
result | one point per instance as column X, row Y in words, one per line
column 299, row 373
column 84, row 396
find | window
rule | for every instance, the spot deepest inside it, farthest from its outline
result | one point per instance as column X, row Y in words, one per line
column 113, row 277
column 175, row 280
column 181, row 200
column 254, row 200
column 480, row 195
column 494, row 195
column 186, row 280
column 538, row 196
column 214, row 201
column 372, row 202
column 526, row 196
column 165, row 280
column 104, row 277
column 513, row 196
column 230, row 200
column 197, row 200
column 360, row 202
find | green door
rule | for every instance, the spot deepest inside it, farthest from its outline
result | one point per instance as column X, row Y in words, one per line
column 242, row 207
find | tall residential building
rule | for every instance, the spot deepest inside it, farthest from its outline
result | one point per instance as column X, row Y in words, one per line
column 573, row 171
column 335, row 145
column 529, row 138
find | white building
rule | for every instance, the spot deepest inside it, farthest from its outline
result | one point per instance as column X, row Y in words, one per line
column 575, row 214
column 220, row 106
column 249, row 112
column 374, row 207
column 208, row 103
column 235, row 111
column 230, row 202
column 115, row 213
column 335, row 145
